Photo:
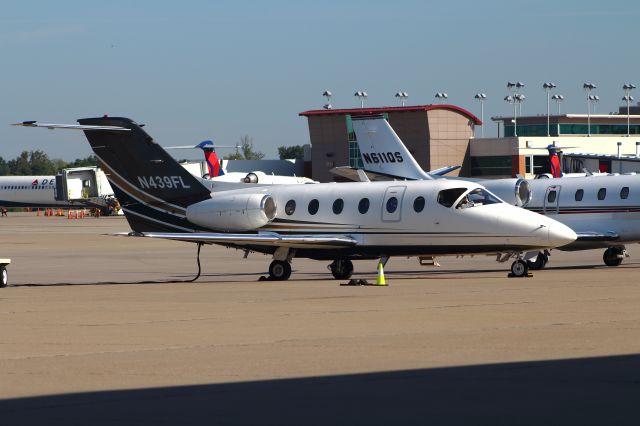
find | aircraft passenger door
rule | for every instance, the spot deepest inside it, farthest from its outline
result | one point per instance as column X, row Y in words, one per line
column 392, row 204
column 552, row 199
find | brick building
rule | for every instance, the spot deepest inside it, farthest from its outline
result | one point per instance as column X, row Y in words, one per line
column 436, row 135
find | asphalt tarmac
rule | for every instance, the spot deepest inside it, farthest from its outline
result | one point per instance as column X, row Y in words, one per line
column 98, row 329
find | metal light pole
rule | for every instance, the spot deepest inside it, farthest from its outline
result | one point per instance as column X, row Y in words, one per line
column 481, row 97
column 547, row 87
column 588, row 87
column 519, row 99
column 511, row 100
column 402, row 96
column 591, row 99
column 362, row 96
column 627, row 87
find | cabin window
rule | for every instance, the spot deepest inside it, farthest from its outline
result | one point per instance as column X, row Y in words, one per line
column 418, row 204
column 449, row 196
column 338, row 205
column 551, row 196
column 314, row 205
column 363, row 206
column 579, row 194
column 624, row 193
column 392, row 204
column 290, row 207
column 602, row 193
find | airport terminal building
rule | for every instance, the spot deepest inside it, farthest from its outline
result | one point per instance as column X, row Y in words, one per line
column 598, row 142
column 436, row 135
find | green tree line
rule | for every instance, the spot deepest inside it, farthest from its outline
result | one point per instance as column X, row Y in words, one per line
column 38, row 163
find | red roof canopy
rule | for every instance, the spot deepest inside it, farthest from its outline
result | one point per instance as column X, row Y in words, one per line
column 381, row 110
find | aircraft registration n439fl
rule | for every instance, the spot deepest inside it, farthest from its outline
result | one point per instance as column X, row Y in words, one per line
column 336, row 222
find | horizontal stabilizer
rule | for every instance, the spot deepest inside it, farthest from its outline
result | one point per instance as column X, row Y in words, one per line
column 443, row 170
column 70, row 126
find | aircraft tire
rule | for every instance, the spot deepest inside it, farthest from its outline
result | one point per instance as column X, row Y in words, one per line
column 4, row 277
column 279, row 270
column 612, row 256
column 341, row 269
column 519, row 268
column 539, row 263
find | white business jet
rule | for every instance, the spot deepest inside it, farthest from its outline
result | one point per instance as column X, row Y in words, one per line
column 603, row 210
column 337, row 222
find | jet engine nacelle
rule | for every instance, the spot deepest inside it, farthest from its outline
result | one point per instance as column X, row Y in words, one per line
column 254, row 177
column 516, row 191
column 241, row 212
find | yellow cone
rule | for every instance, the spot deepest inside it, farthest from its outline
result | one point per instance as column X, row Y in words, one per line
column 380, row 280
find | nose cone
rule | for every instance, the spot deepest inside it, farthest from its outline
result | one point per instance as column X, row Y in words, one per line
column 560, row 234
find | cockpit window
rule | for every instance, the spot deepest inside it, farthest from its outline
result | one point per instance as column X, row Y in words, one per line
column 449, row 196
column 477, row 197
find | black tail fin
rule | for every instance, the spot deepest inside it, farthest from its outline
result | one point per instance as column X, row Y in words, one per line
column 153, row 189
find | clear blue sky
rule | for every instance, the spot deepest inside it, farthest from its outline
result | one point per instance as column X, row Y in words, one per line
column 196, row 70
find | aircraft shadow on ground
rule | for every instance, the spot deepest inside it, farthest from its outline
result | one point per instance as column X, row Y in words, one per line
column 589, row 391
column 319, row 276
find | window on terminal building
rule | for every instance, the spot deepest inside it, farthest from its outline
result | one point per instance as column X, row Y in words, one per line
column 530, row 130
column 499, row 165
column 541, row 164
column 355, row 159
column 597, row 129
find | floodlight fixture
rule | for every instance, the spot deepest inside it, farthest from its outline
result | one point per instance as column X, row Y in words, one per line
column 402, row 96
column 628, row 87
column 362, row 95
column 547, row 86
column 481, row 97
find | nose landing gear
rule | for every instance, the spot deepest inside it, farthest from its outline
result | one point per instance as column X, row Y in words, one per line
column 519, row 269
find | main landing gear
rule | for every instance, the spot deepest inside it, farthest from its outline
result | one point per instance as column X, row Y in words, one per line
column 279, row 270
column 341, row 269
column 613, row 256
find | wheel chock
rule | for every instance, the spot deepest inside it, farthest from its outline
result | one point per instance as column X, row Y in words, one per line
column 527, row 275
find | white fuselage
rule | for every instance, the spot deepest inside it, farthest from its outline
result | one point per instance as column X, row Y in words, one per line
column 593, row 204
column 28, row 191
column 400, row 226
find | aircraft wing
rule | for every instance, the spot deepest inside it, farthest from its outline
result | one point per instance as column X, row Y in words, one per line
column 266, row 239
column 597, row 236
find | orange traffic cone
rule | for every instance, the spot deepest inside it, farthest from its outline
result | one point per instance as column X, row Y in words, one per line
column 38, row 211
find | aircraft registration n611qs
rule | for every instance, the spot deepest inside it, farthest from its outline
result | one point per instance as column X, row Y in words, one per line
column 602, row 209
column 336, row 222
